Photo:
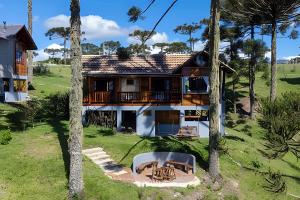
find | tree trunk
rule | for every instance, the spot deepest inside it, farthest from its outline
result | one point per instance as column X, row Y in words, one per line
column 29, row 53
column 65, row 50
column 214, row 95
column 273, row 62
column 191, row 44
column 234, row 101
column 252, row 67
column 76, row 130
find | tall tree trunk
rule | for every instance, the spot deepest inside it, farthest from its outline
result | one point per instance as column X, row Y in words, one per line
column 234, row 99
column 29, row 53
column 273, row 62
column 65, row 50
column 191, row 44
column 214, row 93
column 252, row 67
column 76, row 130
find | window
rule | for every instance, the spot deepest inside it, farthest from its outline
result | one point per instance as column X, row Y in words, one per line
column 6, row 85
column 196, row 115
column 20, row 86
column 130, row 82
column 19, row 57
column 196, row 85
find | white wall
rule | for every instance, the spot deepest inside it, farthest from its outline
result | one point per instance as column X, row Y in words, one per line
column 130, row 88
column 15, row 96
column 146, row 124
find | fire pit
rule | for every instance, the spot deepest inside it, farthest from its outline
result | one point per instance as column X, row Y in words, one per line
column 165, row 169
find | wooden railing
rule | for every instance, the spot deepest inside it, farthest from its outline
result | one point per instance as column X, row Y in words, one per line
column 21, row 70
column 132, row 97
column 100, row 97
column 149, row 96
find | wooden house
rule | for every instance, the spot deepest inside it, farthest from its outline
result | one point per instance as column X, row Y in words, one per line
column 15, row 40
column 153, row 95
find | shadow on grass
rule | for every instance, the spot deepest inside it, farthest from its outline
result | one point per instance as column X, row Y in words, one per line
column 131, row 148
column 62, row 133
column 172, row 144
column 296, row 178
column 292, row 81
column 233, row 137
column 292, row 165
column 106, row 132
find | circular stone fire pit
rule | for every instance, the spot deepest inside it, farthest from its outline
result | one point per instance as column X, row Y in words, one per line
column 185, row 168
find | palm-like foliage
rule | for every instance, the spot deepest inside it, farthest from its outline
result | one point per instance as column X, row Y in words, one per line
column 188, row 29
column 281, row 119
column 275, row 183
column 266, row 12
column 58, row 33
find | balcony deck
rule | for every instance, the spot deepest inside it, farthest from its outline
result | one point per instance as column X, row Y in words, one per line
column 132, row 97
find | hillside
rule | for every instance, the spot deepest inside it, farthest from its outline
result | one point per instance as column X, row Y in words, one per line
column 35, row 164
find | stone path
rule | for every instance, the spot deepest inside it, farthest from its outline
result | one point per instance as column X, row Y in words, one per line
column 104, row 161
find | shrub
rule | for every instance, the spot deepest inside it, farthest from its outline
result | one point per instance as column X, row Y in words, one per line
column 30, row 86
column 33, row 110
column 58, row 105
column 5, row 137
column 281, row 121
column 123, row 53
column 41, row 69
column 275, row 183
column 256, row 164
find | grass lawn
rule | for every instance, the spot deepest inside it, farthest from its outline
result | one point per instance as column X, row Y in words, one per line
column 35, row 164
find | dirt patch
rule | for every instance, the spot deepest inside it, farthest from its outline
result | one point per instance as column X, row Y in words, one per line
column 3, row 190
column 42, row 147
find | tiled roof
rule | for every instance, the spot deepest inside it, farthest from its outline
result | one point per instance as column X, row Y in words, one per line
column 152, row 64
column 9, row 30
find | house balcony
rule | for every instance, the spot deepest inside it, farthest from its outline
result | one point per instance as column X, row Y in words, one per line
column 133, row 97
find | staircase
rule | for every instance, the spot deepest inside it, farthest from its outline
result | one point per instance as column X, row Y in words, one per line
column 104, row 161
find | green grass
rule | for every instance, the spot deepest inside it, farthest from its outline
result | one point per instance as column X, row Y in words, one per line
column 35, row 164
column 57, row 81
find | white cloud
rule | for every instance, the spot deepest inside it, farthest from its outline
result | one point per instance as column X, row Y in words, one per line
column 95, row 27
column 268, row 55
column 54, row 46
column 199, row 46
column 43, row 55
column 159, row 38
column 289, row 57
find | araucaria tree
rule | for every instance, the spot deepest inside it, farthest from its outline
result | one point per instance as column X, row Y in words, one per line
column 274, row 13
column 188, row 29
column 110, row 47
column 58, row 33
column 76, row 130
column 214, row 92
column 30, row 53
column 141, row 37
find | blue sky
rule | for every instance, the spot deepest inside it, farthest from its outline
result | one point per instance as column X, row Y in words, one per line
column 107, row 19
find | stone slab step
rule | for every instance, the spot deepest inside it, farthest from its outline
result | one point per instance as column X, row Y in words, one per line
column 87, row 151
column 101, row 162
column 92, row 155
column 99, row 157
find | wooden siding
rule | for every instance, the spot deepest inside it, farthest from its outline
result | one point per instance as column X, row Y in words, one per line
column 195, row 71
column 146, row 95
column 195, row 99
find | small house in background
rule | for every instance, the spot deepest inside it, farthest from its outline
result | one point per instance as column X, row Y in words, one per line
column 15, row 40
column 155, row 95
